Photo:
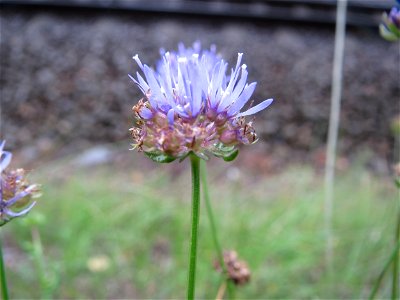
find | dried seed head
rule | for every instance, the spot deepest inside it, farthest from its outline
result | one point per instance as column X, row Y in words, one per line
column 237, row 270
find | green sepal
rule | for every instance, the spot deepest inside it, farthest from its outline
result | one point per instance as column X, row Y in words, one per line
column 202, row 156
column 181, row 159
column 394, row 29
column 389, row 31
column 231, row 156
column 160, row 157
column 198, row 154
column 227, row 153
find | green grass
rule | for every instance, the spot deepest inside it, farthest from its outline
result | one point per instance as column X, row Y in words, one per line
column 140, row 222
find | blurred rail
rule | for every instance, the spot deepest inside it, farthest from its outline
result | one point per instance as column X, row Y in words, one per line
column 360, row 12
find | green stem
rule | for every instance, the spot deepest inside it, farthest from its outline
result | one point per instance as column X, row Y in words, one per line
column 195, row 163
column 213, row 226
column 4, row 290
column 396, row 270
column 40, row 263
column 385, row 268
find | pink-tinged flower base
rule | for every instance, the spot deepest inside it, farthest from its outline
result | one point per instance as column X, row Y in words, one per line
column 205, row 133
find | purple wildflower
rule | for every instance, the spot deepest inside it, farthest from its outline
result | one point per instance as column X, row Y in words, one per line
column 15, row 191
column 191, row 105
column 390, row 26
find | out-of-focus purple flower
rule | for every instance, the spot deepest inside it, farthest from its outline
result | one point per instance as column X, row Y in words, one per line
column 15, row 191
column 190, row 104
column 390, row 26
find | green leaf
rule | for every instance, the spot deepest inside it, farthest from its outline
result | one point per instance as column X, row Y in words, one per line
column 160, row 157
column 397, row 182
column 231, row 156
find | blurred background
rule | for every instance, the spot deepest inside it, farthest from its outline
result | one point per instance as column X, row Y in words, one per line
column 66, row 104
column 64, row 67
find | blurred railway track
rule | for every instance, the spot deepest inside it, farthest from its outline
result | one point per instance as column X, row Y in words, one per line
column 364, row 13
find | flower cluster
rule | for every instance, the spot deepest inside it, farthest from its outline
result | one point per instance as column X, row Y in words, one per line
column 15, row 191
column 390, row 26
column 191, row 105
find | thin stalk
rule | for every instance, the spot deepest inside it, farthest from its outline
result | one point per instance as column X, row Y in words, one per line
column 195, row 164
column 396, row 270
column 4, row 290
column 38, row 256
column 394, row 254
column 337, row 75
column 221, row 291
column 213, row 226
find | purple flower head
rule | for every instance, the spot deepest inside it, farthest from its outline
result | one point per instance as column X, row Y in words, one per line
column 15, row 191
column 190, row 104
column 390, row 26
